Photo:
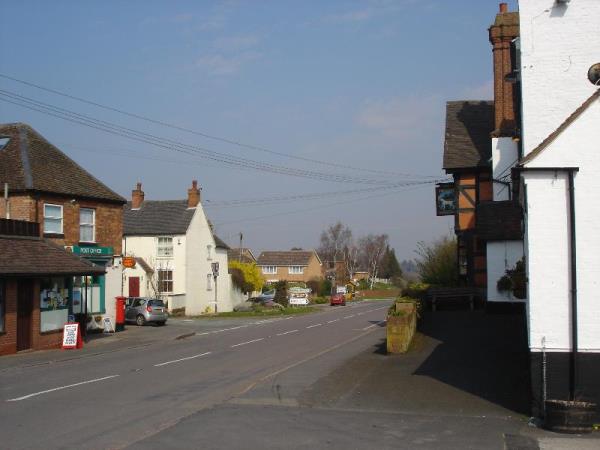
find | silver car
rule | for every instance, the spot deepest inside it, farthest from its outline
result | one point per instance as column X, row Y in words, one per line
column 141, row 310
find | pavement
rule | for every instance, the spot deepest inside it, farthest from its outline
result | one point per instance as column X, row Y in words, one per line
column 315, row 381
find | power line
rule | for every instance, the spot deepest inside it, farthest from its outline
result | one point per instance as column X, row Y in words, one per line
column 170, row 144
column 206, row 135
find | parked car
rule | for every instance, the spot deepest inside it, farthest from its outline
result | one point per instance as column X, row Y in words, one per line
column 267, row 296
column 145, row 310
column 337, row 299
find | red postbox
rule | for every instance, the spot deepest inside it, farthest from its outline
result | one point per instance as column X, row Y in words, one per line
column 120, row 316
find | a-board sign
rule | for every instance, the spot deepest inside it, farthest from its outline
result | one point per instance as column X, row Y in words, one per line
column 108, row 326
column 72, row 336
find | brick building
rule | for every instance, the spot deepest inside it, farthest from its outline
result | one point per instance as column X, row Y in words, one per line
column 74, row 209
column 293, row 265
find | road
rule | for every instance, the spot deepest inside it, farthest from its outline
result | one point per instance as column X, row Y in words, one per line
column 116, row 399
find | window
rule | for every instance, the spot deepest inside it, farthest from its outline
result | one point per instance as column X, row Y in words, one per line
column 209, row 278
column 165, row 247
column 2, row 303
column 53, row 219
column 87, row 225
column 165, row 280
column 209, row 252
column 3, row 142
column 269, row 269
column 295, row 270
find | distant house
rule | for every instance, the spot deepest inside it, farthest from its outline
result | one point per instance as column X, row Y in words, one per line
column 75, row 211
column 292, row 265
column 244, row 255
column 175, row 249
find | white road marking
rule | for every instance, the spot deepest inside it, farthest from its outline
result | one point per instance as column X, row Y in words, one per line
column 248, row 342
column 315, row 325
column 331, row 321
column 374, row 325
column 181, row 359
column 348, row 317
column 95, row 380
column 287, row 332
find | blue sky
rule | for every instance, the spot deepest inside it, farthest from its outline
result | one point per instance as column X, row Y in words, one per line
column 354, row 83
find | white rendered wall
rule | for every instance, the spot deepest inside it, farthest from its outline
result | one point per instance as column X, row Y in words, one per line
column 505, row 154
column 112, row 288
column 501, row 255
column 559, row 43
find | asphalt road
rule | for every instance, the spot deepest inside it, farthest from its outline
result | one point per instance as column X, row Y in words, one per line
column 114, row 399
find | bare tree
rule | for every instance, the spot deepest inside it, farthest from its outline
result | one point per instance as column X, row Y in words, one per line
column 351, row 258
column 333, row 241
column 372, row 248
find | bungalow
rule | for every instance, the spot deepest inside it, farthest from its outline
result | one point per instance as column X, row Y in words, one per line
column 176, row 254
column 293, row 265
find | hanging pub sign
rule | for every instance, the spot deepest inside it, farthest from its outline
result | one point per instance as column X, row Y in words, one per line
column 129, row 262
column 72, row 336
column 445, row 199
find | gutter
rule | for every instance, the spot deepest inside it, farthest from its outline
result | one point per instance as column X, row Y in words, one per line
column 573, row 359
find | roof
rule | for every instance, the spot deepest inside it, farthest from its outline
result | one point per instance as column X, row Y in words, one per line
column 160, row 217
column 499, row 221
column 247, row 255
column 20, row 256
column 28, row 162
column 144, row 265
column 562, row 127
column 468, row 126
column 286, row 258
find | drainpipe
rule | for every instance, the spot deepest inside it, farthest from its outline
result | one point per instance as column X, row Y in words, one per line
column 573, row 375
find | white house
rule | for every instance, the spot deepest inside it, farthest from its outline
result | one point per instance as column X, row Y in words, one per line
column 175, row 249
column 560, row 178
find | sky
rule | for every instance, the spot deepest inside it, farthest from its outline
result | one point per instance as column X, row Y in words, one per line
column 346, row 98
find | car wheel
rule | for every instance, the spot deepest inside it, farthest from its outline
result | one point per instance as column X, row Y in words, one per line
column 344, row 304
column 140, row 321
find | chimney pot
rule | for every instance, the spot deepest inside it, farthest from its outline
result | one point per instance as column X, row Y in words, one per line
column 503, row 7
column 193, row 195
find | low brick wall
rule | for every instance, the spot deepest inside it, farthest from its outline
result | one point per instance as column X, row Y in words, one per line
column 401, row 328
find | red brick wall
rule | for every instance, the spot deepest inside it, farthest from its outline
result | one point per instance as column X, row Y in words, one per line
column 22, row 207
column 8, row 339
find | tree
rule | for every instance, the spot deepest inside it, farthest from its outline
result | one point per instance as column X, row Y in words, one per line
column 371, row 248
column 246, row 276
column 390, row 268
column 437, row 262
column 333, row 241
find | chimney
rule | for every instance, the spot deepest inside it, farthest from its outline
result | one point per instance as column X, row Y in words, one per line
column 193, row 195
column 501, row 34
column 137, row 197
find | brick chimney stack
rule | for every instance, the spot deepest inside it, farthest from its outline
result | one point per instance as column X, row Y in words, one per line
column 137, row 197
column 502, row 33
column 193, row 195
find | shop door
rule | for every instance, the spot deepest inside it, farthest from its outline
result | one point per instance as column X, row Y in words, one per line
column 24, row 314
column 134, row 286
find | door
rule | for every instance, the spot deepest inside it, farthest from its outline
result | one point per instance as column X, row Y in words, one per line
column 134, row 286
column 24, row 314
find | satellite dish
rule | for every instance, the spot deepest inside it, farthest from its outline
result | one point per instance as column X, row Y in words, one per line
column 594, row 74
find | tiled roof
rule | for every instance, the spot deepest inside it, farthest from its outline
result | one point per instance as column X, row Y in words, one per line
column 28, row 162
column 468, row 126
column 31, row 256
column 562, row 127
column 247, row 256
column 287, row 258
column 156, row 217
column 499, row 221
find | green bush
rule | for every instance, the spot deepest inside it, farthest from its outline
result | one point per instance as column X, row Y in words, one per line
column 319, row 300
column 281, row 294
column 324, row 288
column 415, row 290
column 438, row 263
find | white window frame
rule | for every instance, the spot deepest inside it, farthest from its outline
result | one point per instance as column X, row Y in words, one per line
column 296, row 270
column 209, row 281
column 209, row 252
column 93, row 224
column 54, row 218
column 160, row 247
column 269, row 270
column 167, row 280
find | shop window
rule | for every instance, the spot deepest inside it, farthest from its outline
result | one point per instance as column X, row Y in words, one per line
column 53, row 219
column 296, row 270
column 2, row 305
column 87, row 225
column 88, row 295
column 165, row 247
column 54, row 303
column 165, row 280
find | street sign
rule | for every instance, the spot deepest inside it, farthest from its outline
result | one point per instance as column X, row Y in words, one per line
column 215, row 269
column 72, row 336
column 108, row 326
column 129, row 262
column 93, row 251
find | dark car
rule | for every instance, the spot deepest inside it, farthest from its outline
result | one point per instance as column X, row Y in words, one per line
column 146, row 310
column 337, row 299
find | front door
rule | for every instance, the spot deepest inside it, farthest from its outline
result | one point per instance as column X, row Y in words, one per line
column 134, row 286
column 24, row 314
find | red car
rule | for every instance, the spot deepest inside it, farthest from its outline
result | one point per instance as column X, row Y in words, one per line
column 337, row 299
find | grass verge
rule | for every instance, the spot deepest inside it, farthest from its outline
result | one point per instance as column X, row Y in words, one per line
column 261, row 313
